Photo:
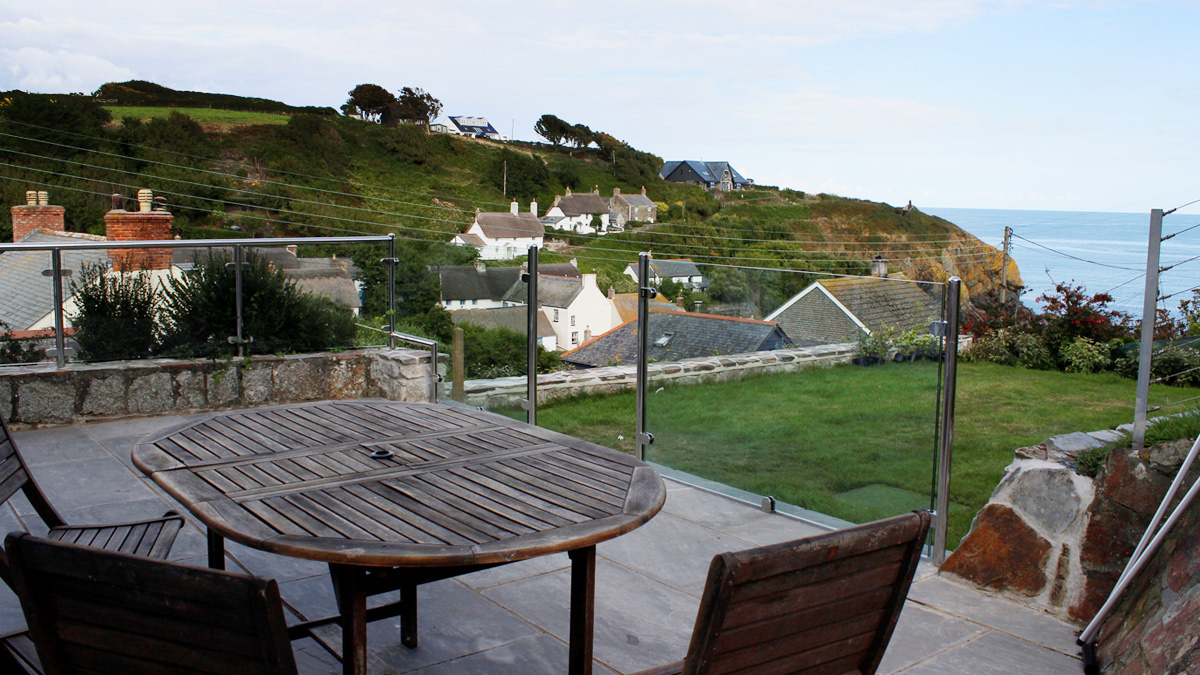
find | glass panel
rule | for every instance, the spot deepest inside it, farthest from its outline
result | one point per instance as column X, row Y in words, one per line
column 754, row 389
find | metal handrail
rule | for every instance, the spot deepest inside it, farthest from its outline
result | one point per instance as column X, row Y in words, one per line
column 238, row 245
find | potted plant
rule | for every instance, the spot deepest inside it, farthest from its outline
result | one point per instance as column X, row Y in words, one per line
column 872, row 348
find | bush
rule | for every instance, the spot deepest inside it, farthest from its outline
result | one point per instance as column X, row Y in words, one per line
column 13, row 350
column 116, row 316
column 200, row 313
column 1176, row 366
column 1084, row 356
column 1011, row 348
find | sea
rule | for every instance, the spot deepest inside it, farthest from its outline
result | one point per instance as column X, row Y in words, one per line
column 1103, row 252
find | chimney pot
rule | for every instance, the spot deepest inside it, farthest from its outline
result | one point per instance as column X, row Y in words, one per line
column 118, row 202
column 43, row 198
column 31, row 198
column 145, row 201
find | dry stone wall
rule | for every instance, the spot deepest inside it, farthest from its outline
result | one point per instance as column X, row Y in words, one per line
column 42, row 395
column 509, row 391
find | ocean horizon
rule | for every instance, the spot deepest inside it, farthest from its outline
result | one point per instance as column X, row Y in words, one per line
column 1104, row 252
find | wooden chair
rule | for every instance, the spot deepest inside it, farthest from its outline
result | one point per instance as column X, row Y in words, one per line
column 823, row 604
column 94, row 611
column 152, row 538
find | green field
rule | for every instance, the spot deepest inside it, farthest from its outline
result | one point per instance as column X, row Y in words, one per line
column 220, row 120
column 857, row 443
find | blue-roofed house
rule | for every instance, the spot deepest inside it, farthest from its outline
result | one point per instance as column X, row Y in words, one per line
column 712, row 175
column 476, row 127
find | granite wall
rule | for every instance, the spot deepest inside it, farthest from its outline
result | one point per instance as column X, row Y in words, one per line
column 41, row 395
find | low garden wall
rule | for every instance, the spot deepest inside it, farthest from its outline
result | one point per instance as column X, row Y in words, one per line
column 509, row 391
column 40, row 395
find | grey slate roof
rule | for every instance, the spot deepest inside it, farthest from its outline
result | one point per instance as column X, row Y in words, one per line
column 25, row 295
column 708, row 171
column 465, row 282
column 512, row 318
column 675, row 335
column 331, row 282
column 507, row 226
column 674, row 268
column 552, row 291
column 637, row 199
column 580, row 204
column 811, row 317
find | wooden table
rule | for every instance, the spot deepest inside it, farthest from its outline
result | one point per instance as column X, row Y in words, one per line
column 393, row 495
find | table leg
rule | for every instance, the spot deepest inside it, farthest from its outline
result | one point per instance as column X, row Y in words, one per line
column 352, row 604
column 583, row 609
column 216, row 550
column 408, row 614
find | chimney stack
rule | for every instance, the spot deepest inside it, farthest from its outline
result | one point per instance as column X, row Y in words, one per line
column 36, row 214
column 514, row 208
column 643, row 190
column 879, row 267
column 480, row 266
column 617, row 192
column 533, row 208
column 145, row 224
column 679, row 301
column 612, row 293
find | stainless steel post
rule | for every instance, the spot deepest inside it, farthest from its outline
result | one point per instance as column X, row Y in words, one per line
column 531, row 321
column 56, row 269
column 391, row 263
column 946, row 436
column 237, row 291
column 645, row 292
column 1149, row 312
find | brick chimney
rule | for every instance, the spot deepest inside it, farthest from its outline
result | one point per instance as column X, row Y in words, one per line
column 145, row 224
column 36, row 214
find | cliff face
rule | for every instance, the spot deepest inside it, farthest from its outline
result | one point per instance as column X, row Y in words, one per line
column 979, row 268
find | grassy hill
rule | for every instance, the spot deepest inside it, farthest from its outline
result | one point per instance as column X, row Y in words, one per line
column 268, row 169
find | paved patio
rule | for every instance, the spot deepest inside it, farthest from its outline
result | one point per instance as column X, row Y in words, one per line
column 513, row 619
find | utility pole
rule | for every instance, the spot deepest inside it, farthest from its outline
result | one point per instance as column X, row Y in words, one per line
column 1004, row 269
column 504, row 190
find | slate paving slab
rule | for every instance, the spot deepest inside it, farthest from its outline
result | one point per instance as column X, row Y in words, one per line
column 773, row 529
column 669, row 549
column 996, row 653
column 920, row 633
column 639, row 622
column 715, row 511
column 995, row 612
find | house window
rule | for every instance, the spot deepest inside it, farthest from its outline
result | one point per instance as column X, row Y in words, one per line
column 572, row 319
column 574, row 337
column 474, row 302
column 556, row 316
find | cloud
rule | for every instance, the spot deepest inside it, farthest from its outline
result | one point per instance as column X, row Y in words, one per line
column 41, row 70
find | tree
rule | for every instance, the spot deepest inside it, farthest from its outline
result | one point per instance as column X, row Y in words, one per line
column 581, row 135
column 414, row 105
column 527, row 176
column 371, row 101
column 552, row 129
column 608, row 143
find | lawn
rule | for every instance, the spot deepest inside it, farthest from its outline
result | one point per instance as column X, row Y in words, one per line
column 856, row 443
column 222, row 120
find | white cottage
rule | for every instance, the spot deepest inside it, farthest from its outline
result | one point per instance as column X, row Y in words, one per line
column 503, row 236
column 575, row 307
column 585, row 213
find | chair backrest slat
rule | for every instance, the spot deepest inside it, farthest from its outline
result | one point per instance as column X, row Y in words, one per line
column 825, row 604
column 97, row 611
column 14, row 475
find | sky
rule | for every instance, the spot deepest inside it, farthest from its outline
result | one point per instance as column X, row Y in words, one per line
column 1084, row 105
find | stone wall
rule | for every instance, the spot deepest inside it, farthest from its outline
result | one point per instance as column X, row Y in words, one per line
column 1154, row 627
column 509, row 391
column 1058, row 541
column 40, row 395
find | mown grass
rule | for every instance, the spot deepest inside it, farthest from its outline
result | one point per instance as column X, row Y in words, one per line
column 856, row 443
column 212, row 117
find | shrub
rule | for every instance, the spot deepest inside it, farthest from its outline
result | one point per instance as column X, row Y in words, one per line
column 1084, row 356
column 13, row 350
column 200, row 312
column 116, row 317
column 1176, row 366
column 1011, row 348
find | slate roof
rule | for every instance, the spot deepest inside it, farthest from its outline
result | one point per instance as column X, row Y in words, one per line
column 580, row 204
column 507, row 226
column 675, row 335
column 552, row 291
column 473, row 125
column 334, row 283
column 873, row 301
column 465, row 282
column 708, row 171
column 637, row 199
column 627, row 304
column 25, row 295
column 674, row 268
column 512, row 318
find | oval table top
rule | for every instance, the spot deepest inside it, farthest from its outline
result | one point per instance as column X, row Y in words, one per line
column 394, row 484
